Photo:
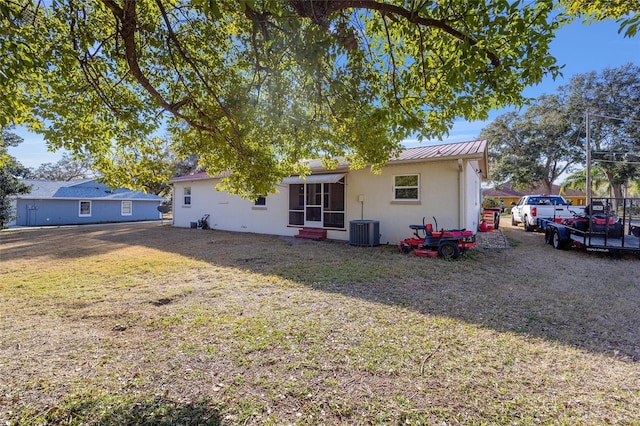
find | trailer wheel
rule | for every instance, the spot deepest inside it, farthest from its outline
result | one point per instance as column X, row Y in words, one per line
column 548, row 235
column 557, row 242
column 449, row 249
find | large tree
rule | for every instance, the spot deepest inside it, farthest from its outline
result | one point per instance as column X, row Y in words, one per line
column 535, row 147
column 612, row 97
column 10, row 173
column 65, row 169
column 255, row 86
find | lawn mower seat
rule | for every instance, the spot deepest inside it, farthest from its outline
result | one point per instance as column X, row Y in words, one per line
column 428, row 228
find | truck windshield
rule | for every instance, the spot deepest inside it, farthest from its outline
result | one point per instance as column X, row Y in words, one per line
column 547, row 201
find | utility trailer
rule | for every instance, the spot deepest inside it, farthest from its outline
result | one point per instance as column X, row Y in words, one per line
column 608, row 225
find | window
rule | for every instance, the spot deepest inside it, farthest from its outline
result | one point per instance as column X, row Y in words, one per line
column 333, row 206
column 317, row 204
column 296, row 204
column 261, row 202
column 186, row 199
column 126, row 208
column 85, row 209
column 406, row 187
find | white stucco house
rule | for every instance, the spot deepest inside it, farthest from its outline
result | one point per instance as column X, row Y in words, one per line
column 439, row 180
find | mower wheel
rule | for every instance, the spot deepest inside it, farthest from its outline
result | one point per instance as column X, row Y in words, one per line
column 449, row 249
column 405, row 248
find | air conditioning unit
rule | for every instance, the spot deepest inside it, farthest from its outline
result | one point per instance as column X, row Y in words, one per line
column 364, row 233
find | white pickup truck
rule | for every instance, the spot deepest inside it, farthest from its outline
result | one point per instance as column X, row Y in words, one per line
column 530, row 208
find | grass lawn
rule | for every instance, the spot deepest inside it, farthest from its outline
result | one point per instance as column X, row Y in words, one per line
column 149, row 324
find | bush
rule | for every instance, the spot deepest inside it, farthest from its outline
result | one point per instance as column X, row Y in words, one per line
column 490, row 202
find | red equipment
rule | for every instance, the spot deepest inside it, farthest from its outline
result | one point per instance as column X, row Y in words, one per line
column 448, row 243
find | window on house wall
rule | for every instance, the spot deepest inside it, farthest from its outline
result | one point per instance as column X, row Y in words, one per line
column 296, row 204
column 260, row 202
column 126, row 208
column 333, row 206
column 406, row 187
column 84, row 208
column 317, row 203
column 186, row 199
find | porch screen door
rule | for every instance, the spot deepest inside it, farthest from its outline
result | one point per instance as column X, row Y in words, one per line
column 313, row 207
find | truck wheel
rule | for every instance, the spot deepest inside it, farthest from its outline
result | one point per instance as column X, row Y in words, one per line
column 525, row 222
column 449, row 249
column 557, row 242
column 513, row 221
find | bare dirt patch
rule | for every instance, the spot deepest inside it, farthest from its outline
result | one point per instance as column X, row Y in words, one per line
column 130, row 324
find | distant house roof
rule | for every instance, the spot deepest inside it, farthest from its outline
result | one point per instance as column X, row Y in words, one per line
column 463, row 150
column 77, row 189
column 505, row 190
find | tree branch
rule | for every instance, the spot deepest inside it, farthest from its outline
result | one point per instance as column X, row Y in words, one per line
column 191, row 62
column 318, row 11
column 127, row 17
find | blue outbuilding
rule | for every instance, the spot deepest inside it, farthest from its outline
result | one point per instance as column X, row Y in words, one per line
column 82, row 201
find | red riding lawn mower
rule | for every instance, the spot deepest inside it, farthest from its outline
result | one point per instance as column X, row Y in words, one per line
column 448, row 243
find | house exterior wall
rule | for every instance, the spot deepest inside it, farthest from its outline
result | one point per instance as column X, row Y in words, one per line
column 231, row 213
column 448, row 190
column 32, row 212
column 439, row 197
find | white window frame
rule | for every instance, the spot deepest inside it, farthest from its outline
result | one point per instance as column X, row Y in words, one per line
column 80, row 214
column 122, row 207
column 417, row 187
column 186, row 196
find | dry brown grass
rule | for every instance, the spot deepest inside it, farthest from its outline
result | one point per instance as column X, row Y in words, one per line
column 148, row 324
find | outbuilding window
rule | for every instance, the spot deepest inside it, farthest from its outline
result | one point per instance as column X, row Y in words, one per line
column 406, row 188
column 186, row 199
column 84, row 209
column 126, row 208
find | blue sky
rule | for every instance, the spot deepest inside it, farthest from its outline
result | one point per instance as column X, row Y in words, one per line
column 581, row 48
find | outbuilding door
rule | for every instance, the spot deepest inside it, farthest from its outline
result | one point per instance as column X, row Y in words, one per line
column 31, row 214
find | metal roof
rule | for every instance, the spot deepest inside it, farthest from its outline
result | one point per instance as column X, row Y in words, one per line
column 471, row 150
column 325, row 178
column 195, row 176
